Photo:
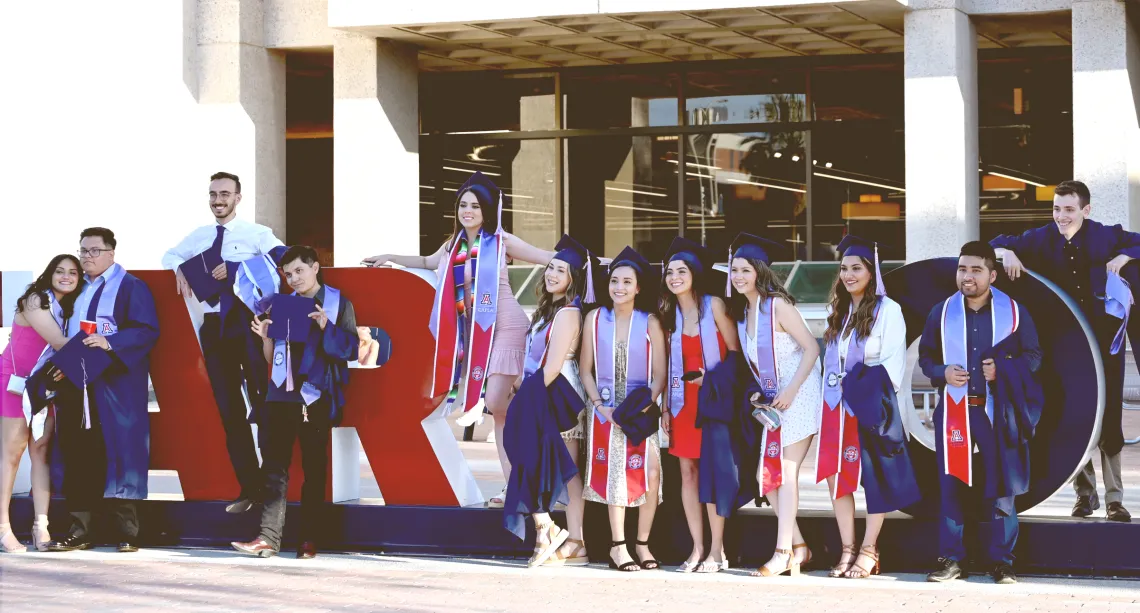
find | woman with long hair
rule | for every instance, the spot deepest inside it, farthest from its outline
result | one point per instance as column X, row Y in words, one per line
column 550, row 401
column 40, row 329
column 699, row 331
column 783, row 358
column 479, row 327
column 623, row 368
column 865, row 331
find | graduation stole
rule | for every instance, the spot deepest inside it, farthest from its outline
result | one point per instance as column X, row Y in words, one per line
column 839, row 452
column 458, row 358
column 710, row 351
column 766, row 373
column 256, row 282
column 637, row 368
column 283, row 349
column 538, row 339
column 101, row 305
column 309, row 392
column 957, row 439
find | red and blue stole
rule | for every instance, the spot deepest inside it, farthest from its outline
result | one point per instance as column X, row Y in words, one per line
column 538, row 339
column 839, row 452
column 459, row 358
column 637, row 368
column 957, row 438
column 710, row 350
column 767, row 376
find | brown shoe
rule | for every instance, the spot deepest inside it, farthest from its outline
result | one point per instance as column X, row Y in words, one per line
column 1117, row 512
column 257, row 547
column 307, row 550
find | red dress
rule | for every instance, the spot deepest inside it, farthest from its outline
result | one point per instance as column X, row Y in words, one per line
column 685, row 437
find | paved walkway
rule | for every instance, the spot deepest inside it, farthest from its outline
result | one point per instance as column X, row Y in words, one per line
column 208, row 580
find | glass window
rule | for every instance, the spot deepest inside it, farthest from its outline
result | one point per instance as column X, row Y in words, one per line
column 1025, row 137
column 622, row 190
column 858, row 91
column 749, row 182
column 745, row 96
column 483, row 101
column 524, row 170
column 858, row 177
column 627, row 100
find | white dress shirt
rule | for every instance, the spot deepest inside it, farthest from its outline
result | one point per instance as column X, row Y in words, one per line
column 887, row 343
column 242, row 240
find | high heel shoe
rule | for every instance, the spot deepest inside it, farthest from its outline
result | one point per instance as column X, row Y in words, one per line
column 7, row 537
column 768, row 570
column 807, row 558
column 550, row 537
column 626, row 567
column 858, row 572
column 841, row 569
column 40, row 535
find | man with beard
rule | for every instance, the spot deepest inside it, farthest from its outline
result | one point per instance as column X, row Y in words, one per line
column 979, row 348
column 1078, row 254
column 233, row 355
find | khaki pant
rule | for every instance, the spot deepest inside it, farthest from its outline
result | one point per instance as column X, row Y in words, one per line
column 1085, row 481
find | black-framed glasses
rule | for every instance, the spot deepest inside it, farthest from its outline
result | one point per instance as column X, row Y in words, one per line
column 94, row 252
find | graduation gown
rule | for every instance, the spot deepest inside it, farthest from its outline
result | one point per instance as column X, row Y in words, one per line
column 121, row 394
column 541, row 465
column 730, row 436
column 887, row 475
column 631, row 416
column 1018, row 402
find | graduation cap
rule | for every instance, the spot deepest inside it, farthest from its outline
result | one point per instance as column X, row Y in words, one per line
column 79, row 363
column 633, row 259
column 868, row 250
column 257, row 281
column 578, row 257
column 488, row 192
column 698, row 257
column 290, row 316
column 751, row 247
column 631, row 416
column 199, row 273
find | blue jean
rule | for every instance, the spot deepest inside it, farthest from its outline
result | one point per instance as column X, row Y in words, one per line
column 1001, row 531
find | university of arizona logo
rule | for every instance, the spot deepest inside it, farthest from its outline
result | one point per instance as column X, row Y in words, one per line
column 956, row 437
column 851, row 453
column 477, row 373
column 107, row 329
column 486, row 299
column 636, row 461
column 676, row 383
column 769, row 385
column 601, row 455
column 773, row 450
column 278, row 358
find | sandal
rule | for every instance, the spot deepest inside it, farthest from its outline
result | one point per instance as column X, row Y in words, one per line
column 497, row 502
column 577, row 557
column 807, row 558
column 841, row 569
column 40, row 535
column 649, row 564
column 769, row 570
column 550, row 538
column 859, row 572
column 712, row 566
column 627, row 567
column 7, row 538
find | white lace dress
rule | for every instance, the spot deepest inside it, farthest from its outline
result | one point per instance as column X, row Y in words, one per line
column 800, row 420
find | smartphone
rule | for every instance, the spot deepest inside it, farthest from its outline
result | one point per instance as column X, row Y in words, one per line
column 692, row 375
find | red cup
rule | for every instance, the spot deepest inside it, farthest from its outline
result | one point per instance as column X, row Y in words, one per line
column 88, row 326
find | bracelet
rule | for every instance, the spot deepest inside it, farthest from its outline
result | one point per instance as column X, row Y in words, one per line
column 596, row 403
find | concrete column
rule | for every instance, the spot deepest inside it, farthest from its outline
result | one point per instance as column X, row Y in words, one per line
column 1106, row 134
column 941, row 95
column 241, row 85
column 532, row 176
column 375, row 148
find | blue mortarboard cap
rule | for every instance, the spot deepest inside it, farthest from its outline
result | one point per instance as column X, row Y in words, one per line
column 698, row 257
column 630, row 257
column 868, row 250
column 79, row 362
column 488, row 192
column 631, row 416
column 290, row 317
column 572, row 252
column 754, row 247
column 199, row 273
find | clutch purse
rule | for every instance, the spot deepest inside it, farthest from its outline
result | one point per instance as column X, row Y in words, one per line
column 764, row 413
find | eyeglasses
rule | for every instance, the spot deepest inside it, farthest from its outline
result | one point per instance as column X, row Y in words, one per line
column 222, row 195
column 96, row 252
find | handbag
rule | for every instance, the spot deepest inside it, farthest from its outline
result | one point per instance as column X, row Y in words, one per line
column 17, row 383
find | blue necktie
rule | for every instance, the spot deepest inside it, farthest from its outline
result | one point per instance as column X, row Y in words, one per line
column 217, row 246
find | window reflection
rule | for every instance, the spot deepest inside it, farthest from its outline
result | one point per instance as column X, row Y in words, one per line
column 745, row 96
column 611, row 100
column 485, row 101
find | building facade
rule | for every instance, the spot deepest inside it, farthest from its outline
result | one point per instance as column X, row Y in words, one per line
column 920, row 123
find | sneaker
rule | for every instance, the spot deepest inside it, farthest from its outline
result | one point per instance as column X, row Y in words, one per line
column 1003, row 574
column 949, row 571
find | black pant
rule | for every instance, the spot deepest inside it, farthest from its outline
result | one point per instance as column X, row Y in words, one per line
column 233, row 363
column 85, row 468
column 284, row 423
column 1111, row 432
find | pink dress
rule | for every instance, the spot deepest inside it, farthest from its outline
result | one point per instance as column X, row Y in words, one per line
column 508, row 347
column 26, row 345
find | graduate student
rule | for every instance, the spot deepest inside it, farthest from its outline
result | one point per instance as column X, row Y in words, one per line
column 479, row 327
column 308, row 351
column 103, row 427
column 205, row 264
column 699, row 332
column 1079, row 254
column 861, row 436
column 979, row 348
